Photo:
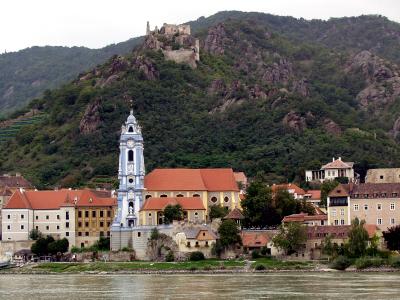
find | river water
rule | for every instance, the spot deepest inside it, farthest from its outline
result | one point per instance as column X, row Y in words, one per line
column 290, row 285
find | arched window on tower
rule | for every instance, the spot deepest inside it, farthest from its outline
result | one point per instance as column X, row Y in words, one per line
column 130, row 155
column 130, row 129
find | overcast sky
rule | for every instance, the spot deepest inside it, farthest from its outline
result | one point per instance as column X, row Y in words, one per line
column 96, row 23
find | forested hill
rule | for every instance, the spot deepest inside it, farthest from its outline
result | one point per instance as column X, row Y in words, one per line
column 25, row 74
column 260, row 99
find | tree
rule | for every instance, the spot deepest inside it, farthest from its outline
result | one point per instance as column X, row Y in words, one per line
column 41, row 246
column 103, row 243
column 326, row 187
column 229, row 234
column 173, row 212
column 258, row 208
column 217, row 211
column 35, row 234
column 392, row 238
column 358, row 238
column 285, row 203
column 291, row 238
column 58, row 246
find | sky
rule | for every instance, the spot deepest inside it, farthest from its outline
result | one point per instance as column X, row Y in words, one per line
column 97, row 23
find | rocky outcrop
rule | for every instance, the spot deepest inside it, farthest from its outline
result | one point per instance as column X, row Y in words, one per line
column 301, row 87
column 331, row 127
column 91, row 118
column 396, row 129
column 146, row 66
column 278, row 73
column 382, row 80
column 294, row 121
column 215, row 40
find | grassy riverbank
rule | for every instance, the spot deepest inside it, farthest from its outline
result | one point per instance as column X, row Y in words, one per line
column 190, row 266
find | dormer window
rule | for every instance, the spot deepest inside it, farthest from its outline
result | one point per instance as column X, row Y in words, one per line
column 366, row 195
column 375, row 195
column 383, row 195
column 394, row 194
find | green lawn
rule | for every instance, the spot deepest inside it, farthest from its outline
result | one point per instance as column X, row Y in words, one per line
column 140, row 265
column 272, row 264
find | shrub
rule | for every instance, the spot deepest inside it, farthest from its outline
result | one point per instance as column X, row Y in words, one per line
column 264, row 251
column 367, row 262
column 193, row 268
column 260, row 267
column 170, row 256
column 255, row 254
column 196, row 256
column 207, row 268
column 126, row 249
column 341, row 263
column 395, row 262
column 75, row 250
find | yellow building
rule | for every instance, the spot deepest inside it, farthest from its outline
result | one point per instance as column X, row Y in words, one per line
column 152, row 211
column 212, row 186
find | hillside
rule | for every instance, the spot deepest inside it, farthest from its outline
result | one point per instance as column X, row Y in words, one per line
column 259, row 101
column 27, row 73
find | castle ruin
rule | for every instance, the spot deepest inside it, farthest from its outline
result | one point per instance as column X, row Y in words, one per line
column 175, row 42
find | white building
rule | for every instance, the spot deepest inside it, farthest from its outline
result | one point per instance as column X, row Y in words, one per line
column 330, row 171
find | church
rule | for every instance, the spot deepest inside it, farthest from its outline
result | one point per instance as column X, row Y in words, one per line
column 142, row 199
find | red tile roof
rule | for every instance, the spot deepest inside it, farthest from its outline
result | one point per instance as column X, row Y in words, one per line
column 338, row 164
column 56, row 199
column 254, row 239
column 288, row 186
column 191, row 180
column 187, row 203
column 235, row 214
column 240, row 177
column 320, row 232
column 303, row 217
column 342, row 190
column 313, row 194
column 15, row 182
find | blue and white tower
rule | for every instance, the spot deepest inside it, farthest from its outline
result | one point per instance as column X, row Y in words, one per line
column 130, row 174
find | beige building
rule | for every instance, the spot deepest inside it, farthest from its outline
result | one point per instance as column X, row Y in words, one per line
column 376, row 203
column 330, row 171
column 212, row 186
column 192, row 239
column 388, row 175
column 52, row 213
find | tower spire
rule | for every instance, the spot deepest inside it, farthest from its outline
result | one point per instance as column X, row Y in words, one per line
column 148, row 28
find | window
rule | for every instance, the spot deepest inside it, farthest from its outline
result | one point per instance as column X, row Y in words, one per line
column 67, row 233
column 196, row 213
column 47, row 217
column 8, row 216
column 394, row 194
column 93, row 214
column 383, row 195
column 342, row 211
column 139, row 234
column 148, row 196
column 80, row 214
column 206, row 243
column 356, row 195
column 37, row 227
column 86, row 214
column 108, row 213
column 188, row 244
column 79, row 233
column 356, row 207
column 108, row 233
column 22, row 216
column 66, row 215
column 37, row 217
column 179, row 195
column 196, row 195
column 334, row 212
column 47, row 227
column 392, row 221
column 197, row 244
column 226, row 199
column 130, row 129
column 379, row 221
column 341, row 222
column 8, row 227
column 366, row 195
column 79, row 224
column 22, row 227
column 213, row 199
column 66, row 224
column 379, row 206
column 82, row 245
column 392, row 206
column 58, row 217
column 365, row 206
column 163, row 196
column 149, row 214
column 130, row 180
column 130, row 155
column 86, row 224
column 86, row 233
column 204, row 234
column 381, row 177
column 101, row 214
column 58, row 227
column 101, row 224
column 336, row 222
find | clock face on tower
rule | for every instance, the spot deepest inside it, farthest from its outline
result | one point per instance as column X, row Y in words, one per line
column 130, row 143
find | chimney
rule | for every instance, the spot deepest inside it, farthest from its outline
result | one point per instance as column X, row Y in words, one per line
column 333, row 159
column 340, row 158
column 21, row 190
column 17, row 174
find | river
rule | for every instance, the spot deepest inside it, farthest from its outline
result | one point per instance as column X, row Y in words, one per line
column 290, row 285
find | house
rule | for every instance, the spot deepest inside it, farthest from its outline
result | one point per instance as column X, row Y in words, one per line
column 376, row 203
column 241, row 179
column 254, row 240
column 196, row 238
column 293, row 189
column 386, row 175
column 313, row 197
column 152, row 211
column 78, row 215
column 14, row 182
column 335, row 169
column 306, row 219
column 212, row 186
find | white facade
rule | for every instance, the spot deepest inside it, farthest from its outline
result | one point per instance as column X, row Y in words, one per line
column 330, row 171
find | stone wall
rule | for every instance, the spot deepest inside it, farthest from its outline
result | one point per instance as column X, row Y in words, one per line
column 8, row 248
column 181, row 56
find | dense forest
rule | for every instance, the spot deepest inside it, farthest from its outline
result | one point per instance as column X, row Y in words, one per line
column 269, row 95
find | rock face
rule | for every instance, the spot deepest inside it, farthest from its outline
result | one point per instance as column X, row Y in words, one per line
column 91, row 118
column 294, row 121
column 396, row 129
column 382, row 80
column 278, row 73
column 147, row 67
column 215, row 40
column 331, row 127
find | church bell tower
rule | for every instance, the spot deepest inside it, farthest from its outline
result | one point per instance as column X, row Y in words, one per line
column 130, row 174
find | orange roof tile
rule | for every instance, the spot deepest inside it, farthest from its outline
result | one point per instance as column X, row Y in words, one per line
column 320, row 232
column 303, row 217
column 187, row 203
column 235, row 214
column 338, row 164
column 342, row 190
column 288, row 187
column 314, row 194
column 56, row 199
column 254, row 239
column 191, row 180
column 240, row 177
